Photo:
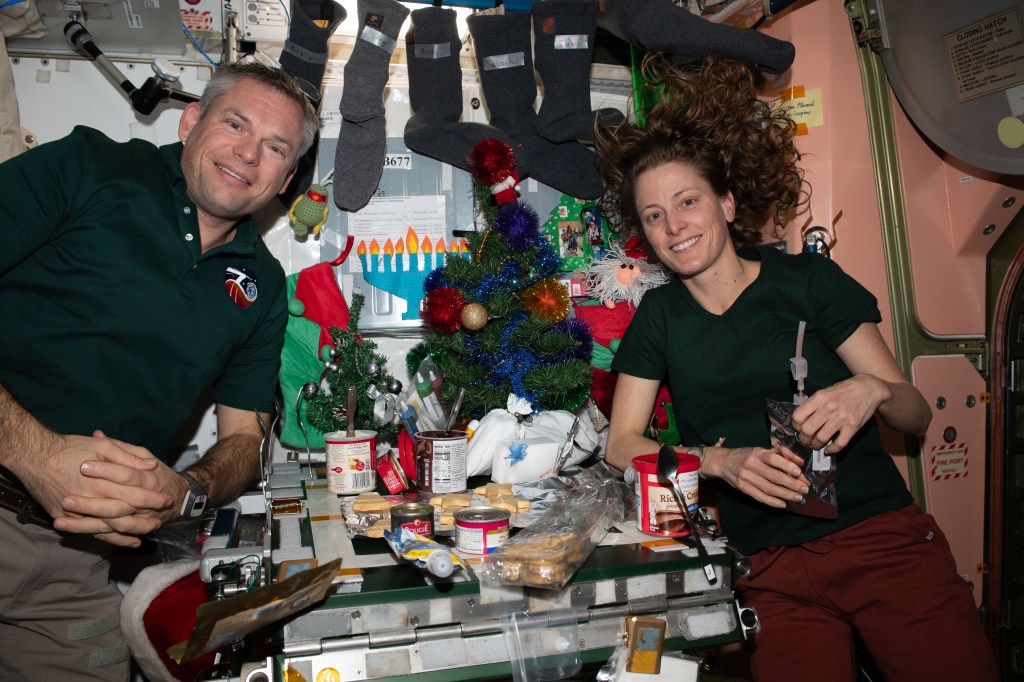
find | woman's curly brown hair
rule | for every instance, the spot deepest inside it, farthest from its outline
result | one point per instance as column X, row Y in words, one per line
column 713, row 121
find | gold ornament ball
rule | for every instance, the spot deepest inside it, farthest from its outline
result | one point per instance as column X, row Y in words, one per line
column 474, row 316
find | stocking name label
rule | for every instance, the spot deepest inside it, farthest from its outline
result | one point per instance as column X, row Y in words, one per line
column 375, row 37
column 504, row 61
column 435, row 51
column 568, row 42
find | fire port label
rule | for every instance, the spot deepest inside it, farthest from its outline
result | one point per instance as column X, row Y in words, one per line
column 948, row 461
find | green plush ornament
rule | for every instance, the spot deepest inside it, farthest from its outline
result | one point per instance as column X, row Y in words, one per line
column 309, row 211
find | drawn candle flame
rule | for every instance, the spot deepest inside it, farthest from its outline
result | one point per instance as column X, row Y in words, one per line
column 414, row 244
column 440, row 250
column 361, row 252
column 374, row 261
column 389, row 248
column 399, row 251
column 463, row 246
column 429, row 248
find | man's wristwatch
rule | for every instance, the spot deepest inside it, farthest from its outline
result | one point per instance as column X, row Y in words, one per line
column 195, row 499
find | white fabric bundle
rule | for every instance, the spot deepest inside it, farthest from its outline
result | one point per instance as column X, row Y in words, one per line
column 515, row 446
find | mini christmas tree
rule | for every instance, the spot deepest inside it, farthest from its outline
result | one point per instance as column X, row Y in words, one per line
column 498, row 321
column 354, row 361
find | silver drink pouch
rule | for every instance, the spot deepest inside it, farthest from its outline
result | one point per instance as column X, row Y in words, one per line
column 818, row 468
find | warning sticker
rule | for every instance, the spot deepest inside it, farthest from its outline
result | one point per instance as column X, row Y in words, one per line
column 987, row 56
column 948, row 461
column 197, row 21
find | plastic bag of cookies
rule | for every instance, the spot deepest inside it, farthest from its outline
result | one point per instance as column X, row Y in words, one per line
column 551, row 550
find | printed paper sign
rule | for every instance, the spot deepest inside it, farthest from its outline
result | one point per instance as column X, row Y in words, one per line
column 987, row 56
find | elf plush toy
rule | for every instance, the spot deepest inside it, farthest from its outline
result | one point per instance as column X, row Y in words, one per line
column 315, row 303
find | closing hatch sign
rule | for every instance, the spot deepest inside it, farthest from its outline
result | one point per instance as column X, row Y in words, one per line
column 986, row 56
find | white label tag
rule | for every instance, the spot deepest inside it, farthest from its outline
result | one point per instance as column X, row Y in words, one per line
column 398, row 161
column 435, row 51
column 375, row 37
column 504, row 61
column 820, row 461
column 567, row 42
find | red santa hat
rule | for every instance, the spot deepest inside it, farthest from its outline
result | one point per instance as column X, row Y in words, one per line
column 633, row 249
column 322, row 301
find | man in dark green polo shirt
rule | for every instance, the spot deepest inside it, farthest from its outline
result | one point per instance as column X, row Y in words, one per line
column 131, row 278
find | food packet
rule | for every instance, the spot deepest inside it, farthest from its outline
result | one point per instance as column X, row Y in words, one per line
column 423, row 552
column 819, row 469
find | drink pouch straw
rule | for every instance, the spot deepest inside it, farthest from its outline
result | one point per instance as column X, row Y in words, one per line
column 819, row 469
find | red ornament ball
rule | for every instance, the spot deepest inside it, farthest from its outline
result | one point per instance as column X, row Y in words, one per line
column 442, row 310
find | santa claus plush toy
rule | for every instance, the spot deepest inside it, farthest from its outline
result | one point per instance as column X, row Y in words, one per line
column 622, row 275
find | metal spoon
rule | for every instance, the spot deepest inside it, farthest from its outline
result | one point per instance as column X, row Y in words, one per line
column 668, row 467
column 454, row 414
column 352, row 404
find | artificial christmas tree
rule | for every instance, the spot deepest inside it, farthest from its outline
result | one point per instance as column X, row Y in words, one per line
column 498, row 322
column 353, row 361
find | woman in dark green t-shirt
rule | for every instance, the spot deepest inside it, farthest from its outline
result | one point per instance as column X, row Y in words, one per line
column 711, row 166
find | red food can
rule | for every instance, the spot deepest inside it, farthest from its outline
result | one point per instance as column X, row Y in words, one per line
column 480, row 530
column 657, row 511
column 390, row 472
